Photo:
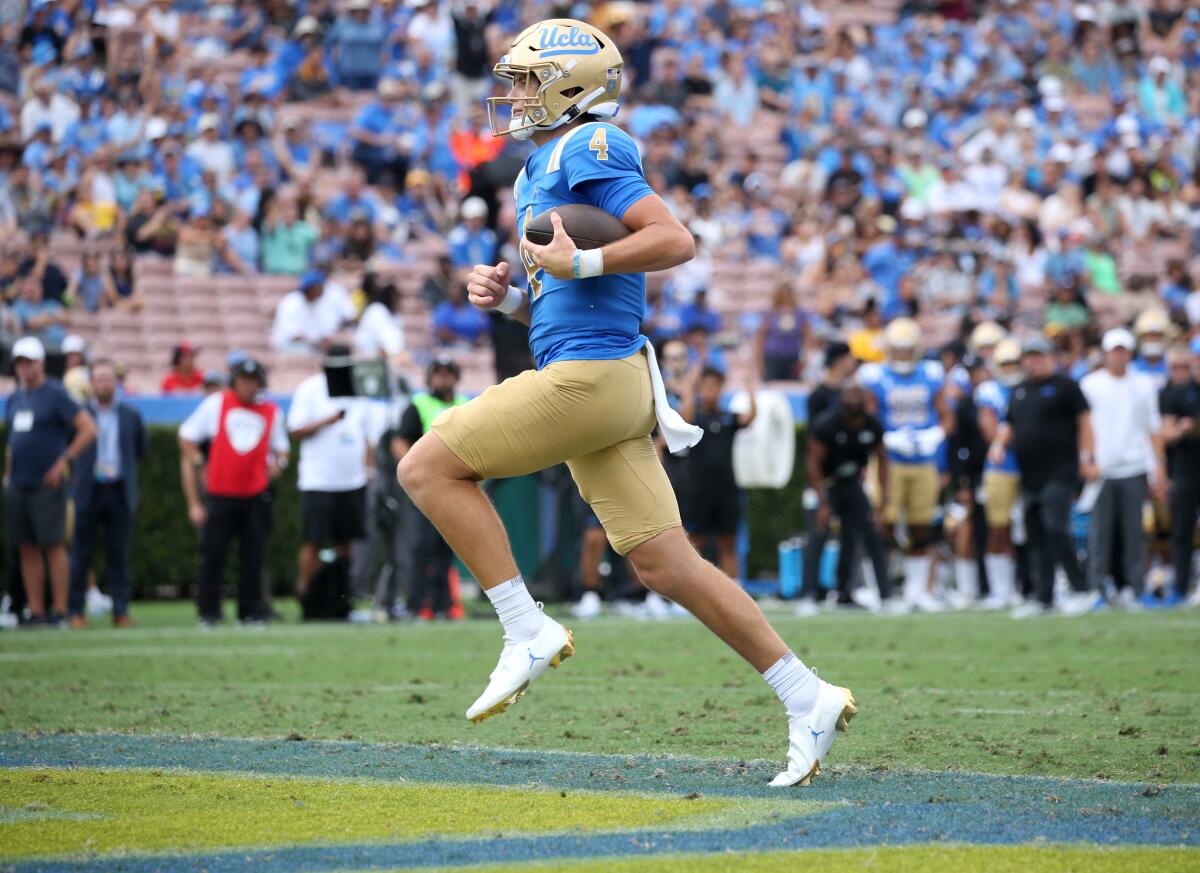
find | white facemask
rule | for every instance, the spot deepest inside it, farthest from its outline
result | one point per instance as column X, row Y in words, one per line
column 1153, row 350
column 903, row 367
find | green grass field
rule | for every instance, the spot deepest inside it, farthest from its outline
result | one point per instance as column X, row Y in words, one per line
column 1113, row 699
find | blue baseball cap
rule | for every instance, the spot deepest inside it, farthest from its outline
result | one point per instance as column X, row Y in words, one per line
column 1194, row 346
column 312, row 277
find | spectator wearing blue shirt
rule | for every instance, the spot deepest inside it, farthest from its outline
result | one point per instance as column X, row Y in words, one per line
column 663, row 320
column 249, row 139
column 697, row 314
column 178, row 174
column 356, row 43
column 376, row 132
column 294, row 151
column 131, row 177
column 47, row 433
column 305, row 35
column 237, row 246
column 353, row 198
column 887, row 263
column 263, row 76
column 245, row 26
column 37, row 316
column 472, row 242
column 419, row 206
column 457, row 321
column 39, row 150
column 83, row 80
column 45, row 26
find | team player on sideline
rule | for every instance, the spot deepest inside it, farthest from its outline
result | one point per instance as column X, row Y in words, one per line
column 1001, row 481
column 595, row 395
column 1151, row 329
column 908, row 399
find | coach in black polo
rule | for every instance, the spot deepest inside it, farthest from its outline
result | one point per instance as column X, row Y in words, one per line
column 1049, row 427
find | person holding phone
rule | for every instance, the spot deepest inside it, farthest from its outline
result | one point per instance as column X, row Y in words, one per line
column 335, row 462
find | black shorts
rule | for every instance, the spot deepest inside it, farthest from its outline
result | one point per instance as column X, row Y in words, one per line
column 36, row 516
column 712, row 510
column 333, row 516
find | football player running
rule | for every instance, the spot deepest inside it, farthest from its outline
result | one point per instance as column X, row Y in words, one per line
column 595, row 395
column 916, row 419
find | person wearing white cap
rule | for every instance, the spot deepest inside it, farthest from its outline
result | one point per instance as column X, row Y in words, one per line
column 1160, row 96
column 75, row 370
column 1129, row 449
column 210, row 151
column 472, row 242
column 47, row 432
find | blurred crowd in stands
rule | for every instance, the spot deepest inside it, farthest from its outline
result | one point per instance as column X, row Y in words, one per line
column 1022, row 161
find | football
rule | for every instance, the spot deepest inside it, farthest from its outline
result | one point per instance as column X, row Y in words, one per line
column 588, row 226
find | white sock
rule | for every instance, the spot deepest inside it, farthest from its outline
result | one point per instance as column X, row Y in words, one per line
column 795, row 684
column 966, row 577
column 518, row 613
column 916, row 576
column 1001, row 576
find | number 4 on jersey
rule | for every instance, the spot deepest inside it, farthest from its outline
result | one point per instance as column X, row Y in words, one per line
column 599, row 144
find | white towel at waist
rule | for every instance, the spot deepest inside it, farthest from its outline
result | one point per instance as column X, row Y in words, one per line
column 679, row 435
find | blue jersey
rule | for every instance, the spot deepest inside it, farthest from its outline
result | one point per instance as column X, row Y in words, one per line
column 595, row 319
column 995, row 396
column 908, row 409
column 1156, row 370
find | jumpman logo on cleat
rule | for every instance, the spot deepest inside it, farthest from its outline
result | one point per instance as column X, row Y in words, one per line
column 815, row 734
column 532, row 658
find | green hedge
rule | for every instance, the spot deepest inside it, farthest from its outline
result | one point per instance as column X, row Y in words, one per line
column 166, row 547
column 774, row 515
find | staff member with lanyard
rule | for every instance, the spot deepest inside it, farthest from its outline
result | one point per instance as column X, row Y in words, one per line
column 432, row 557
column 840, row 444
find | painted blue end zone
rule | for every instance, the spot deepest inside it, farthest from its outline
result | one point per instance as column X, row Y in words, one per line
column 873, row 808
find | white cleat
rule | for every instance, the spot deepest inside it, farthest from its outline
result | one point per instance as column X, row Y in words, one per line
column 655, row 607
column 810, row 736
column 894, row 606
column 806, row 607
column 588, row 607
column 97, row 602
column 923, row 601
column 1076, row 603
column 520, row 664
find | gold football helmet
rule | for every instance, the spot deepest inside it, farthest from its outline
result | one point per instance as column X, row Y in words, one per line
column 577, row 70
column 902, row 342
column 1006, row 362
column 985, row 336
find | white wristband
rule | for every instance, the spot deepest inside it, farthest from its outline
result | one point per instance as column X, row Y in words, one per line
column 512, row 300
column 588, row 263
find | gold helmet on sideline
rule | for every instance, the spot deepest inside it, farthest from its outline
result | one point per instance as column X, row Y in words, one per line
column 577, row 69
column 985, row 336
column 1006, row 362
column 902, row 343
column 1151, row 329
